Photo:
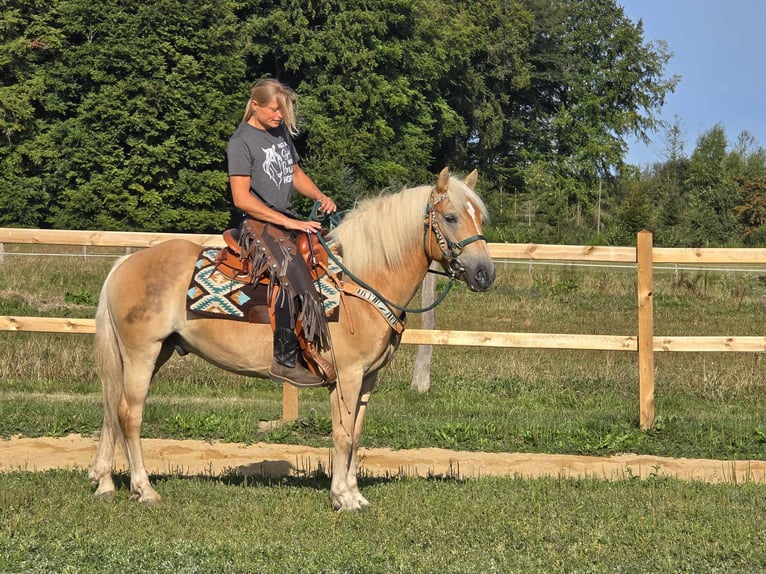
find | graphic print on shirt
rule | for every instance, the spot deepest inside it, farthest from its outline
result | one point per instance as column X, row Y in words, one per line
column 278, row 164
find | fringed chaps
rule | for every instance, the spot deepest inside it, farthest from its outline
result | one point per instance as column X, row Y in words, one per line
column 273, row 252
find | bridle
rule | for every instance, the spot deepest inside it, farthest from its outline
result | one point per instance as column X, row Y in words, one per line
column 450, row 251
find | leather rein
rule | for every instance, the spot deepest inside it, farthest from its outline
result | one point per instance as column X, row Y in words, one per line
column 450, row 252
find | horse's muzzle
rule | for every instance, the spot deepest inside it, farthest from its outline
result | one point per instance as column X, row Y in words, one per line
column 479, row 274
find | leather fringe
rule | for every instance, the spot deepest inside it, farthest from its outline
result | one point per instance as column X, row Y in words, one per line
column 273, row 251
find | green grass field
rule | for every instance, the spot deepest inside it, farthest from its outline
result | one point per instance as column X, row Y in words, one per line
column 707, row 405
column 50, row 523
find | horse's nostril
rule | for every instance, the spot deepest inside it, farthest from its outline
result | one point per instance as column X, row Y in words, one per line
column 487, row 276
column 484, row 277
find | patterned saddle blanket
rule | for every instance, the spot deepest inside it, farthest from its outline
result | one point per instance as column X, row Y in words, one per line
column 211, row 293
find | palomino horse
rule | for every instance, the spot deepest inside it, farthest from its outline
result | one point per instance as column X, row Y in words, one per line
column 387, row 243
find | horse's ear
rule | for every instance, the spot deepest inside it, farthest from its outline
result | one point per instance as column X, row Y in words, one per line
column 471, row 178
column 443, row 181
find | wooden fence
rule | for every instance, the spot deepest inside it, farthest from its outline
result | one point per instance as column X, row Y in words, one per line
column 644, row 342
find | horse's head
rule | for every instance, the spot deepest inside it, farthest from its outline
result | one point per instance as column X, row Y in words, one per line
column 453, row 226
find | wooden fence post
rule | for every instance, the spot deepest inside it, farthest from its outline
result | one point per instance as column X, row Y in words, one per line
column 645, row 330
column 289, row 402
column 421, row 375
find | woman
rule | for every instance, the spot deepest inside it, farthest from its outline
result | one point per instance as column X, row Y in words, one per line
column 263, row 172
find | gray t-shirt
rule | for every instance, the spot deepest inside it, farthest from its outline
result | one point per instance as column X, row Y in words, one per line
column 267, row 156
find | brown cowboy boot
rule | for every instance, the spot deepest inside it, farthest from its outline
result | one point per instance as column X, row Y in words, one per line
column 285, row 367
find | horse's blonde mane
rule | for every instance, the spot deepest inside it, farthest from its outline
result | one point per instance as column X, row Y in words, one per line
column 380, row 232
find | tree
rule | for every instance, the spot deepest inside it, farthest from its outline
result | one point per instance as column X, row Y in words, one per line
column 751, row 213
column 634, row 213
column 713, row 192
column 116, row 114
column 147, row 142
column 28, row 37
column 132, row 128
column 666, row 185
column 594, row 82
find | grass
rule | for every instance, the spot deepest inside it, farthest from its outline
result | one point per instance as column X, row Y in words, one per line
column 49, row 522
column 708, row 405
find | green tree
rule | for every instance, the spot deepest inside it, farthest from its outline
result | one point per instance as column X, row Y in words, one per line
column 751, row 213
column 391, row 90
column 169, row 110
column 134, row 122
column 634, row 213
column 713, row 192
column 28, row 38
column 747, row 160
column 116, row 114
column 666, row 185
column 594, row 82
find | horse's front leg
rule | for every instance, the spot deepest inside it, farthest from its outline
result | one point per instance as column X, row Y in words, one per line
column 349, row 405
column 353, row 467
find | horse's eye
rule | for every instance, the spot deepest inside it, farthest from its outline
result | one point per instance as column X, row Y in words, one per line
column 449, row 218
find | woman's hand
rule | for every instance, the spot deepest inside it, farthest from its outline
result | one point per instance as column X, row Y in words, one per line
column 327, row 205
column 305, row 186
column 299, row 225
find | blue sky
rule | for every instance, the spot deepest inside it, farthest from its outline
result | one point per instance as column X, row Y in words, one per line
column 719, row 49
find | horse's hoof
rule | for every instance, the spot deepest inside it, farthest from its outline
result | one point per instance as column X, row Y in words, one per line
column 351, row 506
column 106, row 495
column 147, row 500
column 353, row 509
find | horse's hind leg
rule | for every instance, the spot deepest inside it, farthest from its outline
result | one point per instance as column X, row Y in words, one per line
column 109, row 367
column 101, row 469
column 138, row 373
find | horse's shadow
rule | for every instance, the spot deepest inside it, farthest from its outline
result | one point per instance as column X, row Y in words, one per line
column 272, row 472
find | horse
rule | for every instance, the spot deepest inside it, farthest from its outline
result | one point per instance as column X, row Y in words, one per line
column 388, row 243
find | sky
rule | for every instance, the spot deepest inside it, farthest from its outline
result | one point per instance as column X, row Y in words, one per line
column 719, row 49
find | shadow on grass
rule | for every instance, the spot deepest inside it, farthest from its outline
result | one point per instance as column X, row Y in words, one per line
column 270, row 473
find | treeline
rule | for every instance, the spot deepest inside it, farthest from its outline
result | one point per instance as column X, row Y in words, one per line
column 115, row 115
column 715, row 197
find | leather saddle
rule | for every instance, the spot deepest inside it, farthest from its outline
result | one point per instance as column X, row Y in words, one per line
column 235, row 265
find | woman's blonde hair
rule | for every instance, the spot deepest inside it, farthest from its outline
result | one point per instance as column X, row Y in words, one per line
column 264, row 91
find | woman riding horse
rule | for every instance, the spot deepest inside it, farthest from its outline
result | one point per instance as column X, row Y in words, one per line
column 263, row 172
column 388, row 244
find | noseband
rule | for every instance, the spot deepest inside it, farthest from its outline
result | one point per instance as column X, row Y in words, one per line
column 451, row 250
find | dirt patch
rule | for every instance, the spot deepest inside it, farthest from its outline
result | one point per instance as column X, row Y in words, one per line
column 214, row 458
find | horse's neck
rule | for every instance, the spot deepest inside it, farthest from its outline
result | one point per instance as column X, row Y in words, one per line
column 400, row 286
column 384, row 243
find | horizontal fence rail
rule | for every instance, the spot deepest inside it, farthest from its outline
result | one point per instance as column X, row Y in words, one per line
column 101, row 238
column 524, row 251
column 690, row 344
column 643, row 257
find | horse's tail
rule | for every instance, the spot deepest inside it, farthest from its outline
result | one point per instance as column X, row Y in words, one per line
column 109, row 361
